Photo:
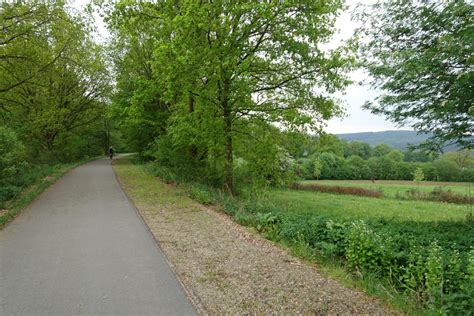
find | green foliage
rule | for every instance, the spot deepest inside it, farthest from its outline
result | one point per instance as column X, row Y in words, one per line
column 214, row 77
column 407, row 254
column 26, row 23
column 200, row 194
column 462, row 158
column 12, row 153
column 13, row 168
column 316, row 167
column 418, row 175
column 447, row 170
column 367, row 250
column 382, row 150
column 53, row 82
column 384, row 164
column 418, row 54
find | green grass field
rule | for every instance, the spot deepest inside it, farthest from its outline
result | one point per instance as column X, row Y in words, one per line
column 356, row 207
column 392, row 188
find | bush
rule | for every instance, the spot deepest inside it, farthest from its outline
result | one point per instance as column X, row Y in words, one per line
column 367, row 249
column 12, row 165
column 200, row 194
column 336, row 189
column 439, row 195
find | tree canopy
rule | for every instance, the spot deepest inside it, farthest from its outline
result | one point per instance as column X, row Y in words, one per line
column 225, row 73
column 53, row 78
column 419, row 53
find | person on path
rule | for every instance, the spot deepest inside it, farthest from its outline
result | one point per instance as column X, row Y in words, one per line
column 111, row 153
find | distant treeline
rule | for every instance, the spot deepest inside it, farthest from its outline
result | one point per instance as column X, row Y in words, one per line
column 328, row 157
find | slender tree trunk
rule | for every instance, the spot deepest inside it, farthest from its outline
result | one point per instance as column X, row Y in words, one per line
column 106, row 136
column 193, row 150
column 229, row 158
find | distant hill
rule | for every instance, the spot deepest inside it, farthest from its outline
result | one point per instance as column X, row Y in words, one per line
column 396, row 139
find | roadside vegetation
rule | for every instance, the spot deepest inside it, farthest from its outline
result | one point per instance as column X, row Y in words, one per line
column 227, row 268
column 417, row 255
column 16, row 193
column 53, row 86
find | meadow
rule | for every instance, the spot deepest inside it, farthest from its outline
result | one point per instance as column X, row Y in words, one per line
column 358, row 207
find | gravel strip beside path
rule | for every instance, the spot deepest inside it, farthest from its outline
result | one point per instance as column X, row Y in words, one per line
column 225, row 268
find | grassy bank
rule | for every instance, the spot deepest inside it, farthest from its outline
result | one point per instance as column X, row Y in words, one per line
column 39, row 179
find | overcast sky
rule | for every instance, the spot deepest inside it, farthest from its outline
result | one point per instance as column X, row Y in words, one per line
column 356, row 119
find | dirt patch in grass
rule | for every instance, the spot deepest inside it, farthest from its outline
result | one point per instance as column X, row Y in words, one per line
column 226, row 269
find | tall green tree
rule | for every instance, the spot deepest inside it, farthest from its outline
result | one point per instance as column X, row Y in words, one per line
column 22, row 44
column 137, row 106
column 419, row 53
column 70, row 92
column 227, row 67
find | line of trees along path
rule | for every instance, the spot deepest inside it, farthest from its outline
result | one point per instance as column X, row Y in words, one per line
column 206, row 82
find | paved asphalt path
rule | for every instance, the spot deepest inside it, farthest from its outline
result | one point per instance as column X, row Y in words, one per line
column 80, row 249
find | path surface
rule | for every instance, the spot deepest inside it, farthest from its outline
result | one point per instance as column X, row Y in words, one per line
column 80, row 248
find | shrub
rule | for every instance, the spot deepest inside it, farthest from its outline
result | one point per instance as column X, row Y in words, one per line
column 337, row 189
column 200, row 194
column 367, row 249
column 439, row 195
column 418, row 175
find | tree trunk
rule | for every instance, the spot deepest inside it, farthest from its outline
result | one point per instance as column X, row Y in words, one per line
column 193, row 150
column 106, row 136
column 229, row 159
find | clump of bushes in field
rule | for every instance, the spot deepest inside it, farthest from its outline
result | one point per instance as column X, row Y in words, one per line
column 336, row 189
column 439, row 195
